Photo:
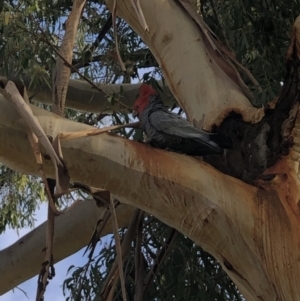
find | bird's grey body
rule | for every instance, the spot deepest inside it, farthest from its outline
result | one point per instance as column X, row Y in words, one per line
column 167, row 130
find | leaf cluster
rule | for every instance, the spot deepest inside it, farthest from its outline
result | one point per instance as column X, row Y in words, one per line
column 185, row 272
column 258, row 32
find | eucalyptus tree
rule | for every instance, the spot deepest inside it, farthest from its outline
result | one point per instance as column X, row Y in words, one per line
column 232, row 67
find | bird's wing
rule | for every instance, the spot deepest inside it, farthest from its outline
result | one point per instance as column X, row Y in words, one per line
column 172, row 124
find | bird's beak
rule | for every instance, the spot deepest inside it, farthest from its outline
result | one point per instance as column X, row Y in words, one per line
column 135, row 114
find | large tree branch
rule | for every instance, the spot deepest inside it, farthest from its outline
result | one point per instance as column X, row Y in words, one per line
column 82, row 96
column 22, row 260
column 192, row 68
column 253, row 232
column 207, row 90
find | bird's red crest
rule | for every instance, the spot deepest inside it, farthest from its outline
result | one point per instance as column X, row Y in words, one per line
column 146, row 89
column 142, row 101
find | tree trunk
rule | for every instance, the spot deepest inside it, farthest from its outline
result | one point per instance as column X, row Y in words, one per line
column 251, row 229
column 203, row 89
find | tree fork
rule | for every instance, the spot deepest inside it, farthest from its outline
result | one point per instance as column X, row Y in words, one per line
column 259, row 146
column 252, row 230
column 227, row 217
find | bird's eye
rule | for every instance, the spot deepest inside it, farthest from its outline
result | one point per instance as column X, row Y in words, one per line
column 137, row 96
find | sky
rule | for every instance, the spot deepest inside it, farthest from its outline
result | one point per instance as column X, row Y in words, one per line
column 54, row 290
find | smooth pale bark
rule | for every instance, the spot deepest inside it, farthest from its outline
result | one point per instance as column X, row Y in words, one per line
column 61, row 73
column 82, row 96
column 73, row 230
column 253, row 232
column 205, row 92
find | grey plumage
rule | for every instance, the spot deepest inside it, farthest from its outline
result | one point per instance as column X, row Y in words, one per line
column 167, row 130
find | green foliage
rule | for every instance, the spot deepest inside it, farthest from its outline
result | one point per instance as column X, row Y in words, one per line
column 259, row 33
column 20, row 197
column 21, row 44
column 187, row 273
column 31, row 33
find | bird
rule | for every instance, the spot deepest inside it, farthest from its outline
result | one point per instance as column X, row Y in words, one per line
column 169, row 131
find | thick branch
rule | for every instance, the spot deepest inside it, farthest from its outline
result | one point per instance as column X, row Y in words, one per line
column 239, row 224
column 22, row 260
column 192, row 69
column 82, row 96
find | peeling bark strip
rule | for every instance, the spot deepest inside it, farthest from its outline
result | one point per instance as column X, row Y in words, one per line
column 252, row 231
column 223, row 58
column 12, row 94
column 114, row 17
column 60, row 81
column 61, row 73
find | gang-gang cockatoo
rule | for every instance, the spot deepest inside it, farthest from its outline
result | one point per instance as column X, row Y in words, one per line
column 167, row 130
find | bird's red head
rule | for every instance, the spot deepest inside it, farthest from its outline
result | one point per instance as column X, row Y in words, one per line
column 142, row 100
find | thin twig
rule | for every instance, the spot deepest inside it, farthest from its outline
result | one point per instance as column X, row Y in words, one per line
column 112, row 278
column 75, row 135
column 114, row 17
column 137, row 7
column 118, row 247
column 159, row 259
column 93, row 242
column 248, row 74
column 47, row 270
column 139, row 261
column 82, row 62
column 68, row 64
column 212, row 3
column 22, row 291
column 102, row 221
